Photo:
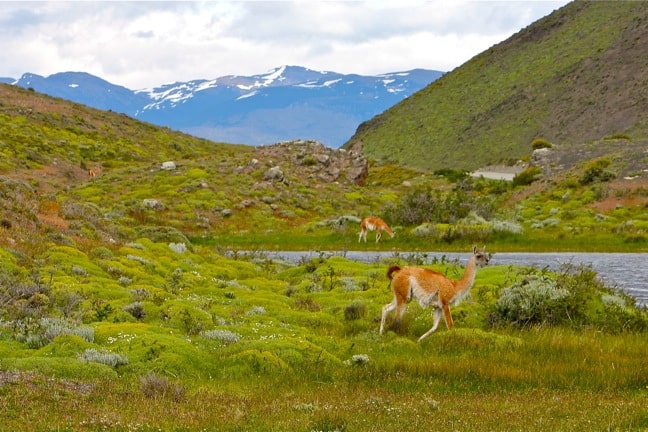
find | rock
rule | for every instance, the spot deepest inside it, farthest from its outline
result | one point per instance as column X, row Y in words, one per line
column 313, row 160
column 153, row 204
column 274, row 174
column 169, row 166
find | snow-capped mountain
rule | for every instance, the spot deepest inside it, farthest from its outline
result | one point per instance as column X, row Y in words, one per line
column 289, row 102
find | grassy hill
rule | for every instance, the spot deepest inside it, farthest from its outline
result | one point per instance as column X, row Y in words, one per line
column 142, row 299
column 573, row 77
column 48, row 146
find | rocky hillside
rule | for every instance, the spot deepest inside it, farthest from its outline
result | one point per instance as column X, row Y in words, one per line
column 576, row 76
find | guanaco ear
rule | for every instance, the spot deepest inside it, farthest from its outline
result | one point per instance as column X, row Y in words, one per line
column 474, row 249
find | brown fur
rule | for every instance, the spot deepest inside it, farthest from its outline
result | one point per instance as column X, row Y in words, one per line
column 94, row 172
column 373, row 223
column 429, row 287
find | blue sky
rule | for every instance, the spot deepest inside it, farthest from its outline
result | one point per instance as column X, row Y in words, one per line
column 140, row 44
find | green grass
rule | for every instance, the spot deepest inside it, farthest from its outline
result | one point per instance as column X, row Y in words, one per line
column 256, row 344
column 539, row 379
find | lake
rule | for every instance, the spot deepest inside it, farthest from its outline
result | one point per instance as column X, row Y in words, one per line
column 628, row 271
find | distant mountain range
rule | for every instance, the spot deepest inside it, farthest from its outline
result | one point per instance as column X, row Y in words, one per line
column 286, row 103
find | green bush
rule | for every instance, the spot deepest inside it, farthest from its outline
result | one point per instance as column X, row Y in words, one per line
column 574, row 297
column 425, row 205
column 103, row 357
column 596, row 171
column 540, row 143
column 38, row 333
column 528, row 176
column 136, row 309
column 224, row 336
column 533, row 300
column 355, row 311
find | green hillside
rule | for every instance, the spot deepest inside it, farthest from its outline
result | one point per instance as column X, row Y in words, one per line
column 578, row 75
column 143, row 298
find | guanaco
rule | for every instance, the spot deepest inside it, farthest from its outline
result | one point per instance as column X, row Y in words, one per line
column 429, row 287
column 373, row 223
column 94, row 172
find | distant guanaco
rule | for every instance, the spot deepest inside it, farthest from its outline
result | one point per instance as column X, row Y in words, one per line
column 94, row 172
column 373, row 223
column 429, row 287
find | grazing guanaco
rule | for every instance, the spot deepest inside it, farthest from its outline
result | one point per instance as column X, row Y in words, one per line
column 94, row 172
column 373, row 223
column 429, row 287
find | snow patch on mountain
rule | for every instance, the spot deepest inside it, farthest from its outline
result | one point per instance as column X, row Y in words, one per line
column 246, row 95
column 283, row 104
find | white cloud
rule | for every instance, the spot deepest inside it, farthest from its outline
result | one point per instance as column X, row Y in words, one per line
column 143, row 44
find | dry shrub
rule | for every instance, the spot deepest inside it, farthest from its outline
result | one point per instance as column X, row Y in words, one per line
column 157, row 386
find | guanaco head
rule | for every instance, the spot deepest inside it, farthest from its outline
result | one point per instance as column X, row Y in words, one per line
column 481, row 257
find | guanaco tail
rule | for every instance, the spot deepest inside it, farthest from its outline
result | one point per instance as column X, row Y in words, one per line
column 430, row 288
column 373, row 223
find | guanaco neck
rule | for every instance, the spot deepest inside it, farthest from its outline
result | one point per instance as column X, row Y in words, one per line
column 468, row 279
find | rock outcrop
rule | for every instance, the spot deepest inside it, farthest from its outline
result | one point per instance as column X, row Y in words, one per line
column 312, row 160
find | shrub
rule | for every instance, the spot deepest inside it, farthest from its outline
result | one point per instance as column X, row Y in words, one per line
column 307, row 304
column 102, row 253
column 224, row 336
column 424, row 205
column 416, row 207
column 101, row 309
column 79, row 271
column 504, row 226
column 596, row 171
column 140, row 294
column 103, row 357
column 155, row 386
column 534, row 300
column 528, row 176
column 191, row 320
column 618, row 136
column 256, row 310
column 161, row 234
column 425, row 230
column 179, row 248
column 358, row 360
column 36, row 334
column 54, row 327
column 139, row 259
column 350, row 284
column 540, row 143
column 136, row 309
column 574, row 296
column 355, row 311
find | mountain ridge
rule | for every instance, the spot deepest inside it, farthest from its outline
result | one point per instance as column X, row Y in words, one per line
column 285, row 103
